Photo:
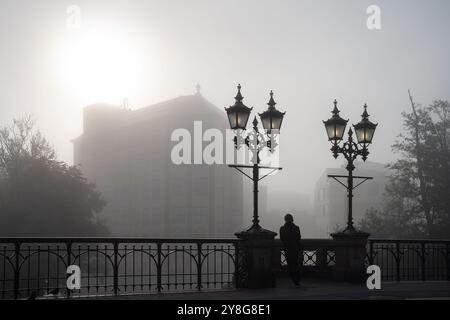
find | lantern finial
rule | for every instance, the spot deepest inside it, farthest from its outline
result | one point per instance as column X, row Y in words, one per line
column 335, row 110
column 365, row 114
column 272, row 102
column 239, row 96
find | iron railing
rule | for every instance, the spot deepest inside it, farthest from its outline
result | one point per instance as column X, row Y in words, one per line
column 111, row 266
column 411, row 260
column 317, row 259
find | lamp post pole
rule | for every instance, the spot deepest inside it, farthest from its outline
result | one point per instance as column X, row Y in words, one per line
column 255, row 194
column 350, row 150
column 255, row 144
column 350, row 243
column 257, row 250
column 238, row 116
column 350, row 168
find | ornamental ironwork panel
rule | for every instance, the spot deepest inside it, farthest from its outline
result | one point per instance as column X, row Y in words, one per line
column 36, row 268
column 410, row 260
column 318, row 256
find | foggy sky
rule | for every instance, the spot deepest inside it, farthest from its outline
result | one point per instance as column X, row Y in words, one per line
column 308, row 52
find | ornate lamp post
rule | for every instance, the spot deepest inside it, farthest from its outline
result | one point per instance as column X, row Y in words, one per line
column 365, row 129
column 271, row 119
column 256, row 253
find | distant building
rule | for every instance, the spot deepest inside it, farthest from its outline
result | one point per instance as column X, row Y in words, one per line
column 330, row 198
column 128, row 155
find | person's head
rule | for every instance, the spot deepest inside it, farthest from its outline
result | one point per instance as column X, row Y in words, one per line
column 289, row 218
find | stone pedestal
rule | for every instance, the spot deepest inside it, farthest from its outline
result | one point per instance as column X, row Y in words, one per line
column 256, row 258
column 350, row 256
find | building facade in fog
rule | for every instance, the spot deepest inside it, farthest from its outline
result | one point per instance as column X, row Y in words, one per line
column 128, row 155
column 330, row 198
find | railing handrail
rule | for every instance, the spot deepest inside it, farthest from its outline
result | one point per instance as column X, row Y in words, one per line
column 319, row 242
column 408, row 241
column 112, row 240
column 312, row 242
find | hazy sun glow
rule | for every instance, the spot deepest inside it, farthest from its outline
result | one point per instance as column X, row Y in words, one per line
column 101, row 65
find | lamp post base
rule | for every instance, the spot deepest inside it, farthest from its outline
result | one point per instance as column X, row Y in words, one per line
column 256, row 258
column 350, row 255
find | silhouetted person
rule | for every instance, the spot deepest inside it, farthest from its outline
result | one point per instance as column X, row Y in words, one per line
column 290, row 236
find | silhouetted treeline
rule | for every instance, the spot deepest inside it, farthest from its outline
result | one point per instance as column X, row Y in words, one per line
column 39, row 195
column 418, row 195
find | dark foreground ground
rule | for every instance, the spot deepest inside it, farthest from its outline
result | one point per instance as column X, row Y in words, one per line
column 316, row 290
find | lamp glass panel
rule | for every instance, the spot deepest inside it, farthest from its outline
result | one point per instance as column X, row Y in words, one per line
column 232, row 120
column 242, row 118
column 330, row 131
column 266, row 123
column 340, row 130
column 365, row 134
column 360, row 134
column 369, row 134
column 276, row 123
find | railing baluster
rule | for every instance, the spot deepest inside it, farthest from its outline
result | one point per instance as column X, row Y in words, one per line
column 397, row 250
column 159, row 267
column 221, row 266
column 142, row 268
column 168, row 266
column 176, row 267
column 57, row 267
column 4, row 272
column 207, row 266
column 199, row 265
column 38, row 269
column 29, row 271
column 125, row 268
column 448, row 261
column 423, row 261
column 16, row 270
column 48, row 268
column 134, row 271
column 116, row 268
column 96, row 270
column 105, row 269
column 190, row 267
column 88, row 269
column 236, row 265
column 149, row 267
column 228, row 266
column 184, row 268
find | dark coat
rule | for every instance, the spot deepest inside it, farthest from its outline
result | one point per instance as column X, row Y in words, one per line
column 290, row 236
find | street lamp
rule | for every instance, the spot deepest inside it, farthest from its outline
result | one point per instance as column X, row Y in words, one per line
column 365, row 129
column 238, row 116
column 272, row 118
column 335, row 126
column 238, row 113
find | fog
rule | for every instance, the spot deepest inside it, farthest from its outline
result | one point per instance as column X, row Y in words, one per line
column 308, row 52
